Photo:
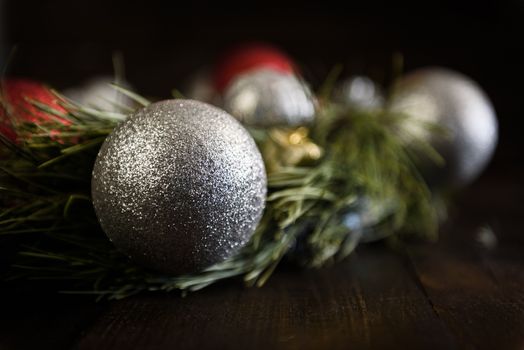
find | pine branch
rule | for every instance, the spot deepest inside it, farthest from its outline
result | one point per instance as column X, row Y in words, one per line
column 350, row 163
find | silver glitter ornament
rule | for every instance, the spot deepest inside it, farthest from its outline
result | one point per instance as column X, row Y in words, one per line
column 359, row 92
column 457, row 104
column 179, row 186
column 266, row 98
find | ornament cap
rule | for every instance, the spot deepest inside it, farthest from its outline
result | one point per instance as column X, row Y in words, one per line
column 248, row 57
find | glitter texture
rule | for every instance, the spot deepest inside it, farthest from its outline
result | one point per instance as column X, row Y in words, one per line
column 456, row 103
column 179, row 186
column 268, row 98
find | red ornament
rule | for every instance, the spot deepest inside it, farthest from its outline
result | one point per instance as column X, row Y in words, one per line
column 14, row 97
column 247, row 58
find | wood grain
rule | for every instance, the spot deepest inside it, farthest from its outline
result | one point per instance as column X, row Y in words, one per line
column 483, row 310
column 370, row 301
column 478, row 290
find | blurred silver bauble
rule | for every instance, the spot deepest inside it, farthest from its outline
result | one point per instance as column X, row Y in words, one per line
column 98, row 93
column 456, row 104
column 179, row 186
column 266, row 98
column 359, row 92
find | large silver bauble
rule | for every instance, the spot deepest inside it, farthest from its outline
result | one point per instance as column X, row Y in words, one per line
column 267, row 98
column 98, row 93
column 179, row 186
column 458, row 105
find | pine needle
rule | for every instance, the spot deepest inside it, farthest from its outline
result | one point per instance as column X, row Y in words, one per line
column 46, row 204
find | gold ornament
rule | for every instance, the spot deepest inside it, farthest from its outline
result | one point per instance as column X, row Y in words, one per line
column 290, row 147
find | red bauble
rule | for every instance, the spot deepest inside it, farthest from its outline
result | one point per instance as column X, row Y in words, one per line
column 247, row 58
column 15, row 94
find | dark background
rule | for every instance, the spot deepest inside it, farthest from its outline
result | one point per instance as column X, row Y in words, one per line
column 63, row 42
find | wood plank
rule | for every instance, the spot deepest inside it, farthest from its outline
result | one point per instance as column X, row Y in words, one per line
column 483, row 312
column 479, row 290
column 369, row 301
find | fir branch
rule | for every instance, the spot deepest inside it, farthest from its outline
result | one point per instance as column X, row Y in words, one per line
column 365, row 167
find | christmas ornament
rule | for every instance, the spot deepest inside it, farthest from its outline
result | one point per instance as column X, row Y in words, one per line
column 260, row 87
column 290, row 147
column 250, row 57
column 359, row 92
column 98, row 93
column 179, row 186
column 266, row 98
column 16, row 96
column 457, row 104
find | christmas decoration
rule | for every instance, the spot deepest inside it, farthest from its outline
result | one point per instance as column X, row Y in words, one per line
column 461, row 109
column 267, row 98
column 290, row 147
column 179, row 186
column 320, row 176
column 359, row 92
column 98, row 93
column 261, row 88
column 16, row 106
column 249, row 57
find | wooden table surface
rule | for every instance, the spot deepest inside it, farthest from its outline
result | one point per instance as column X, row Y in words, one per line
column 456, row 293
